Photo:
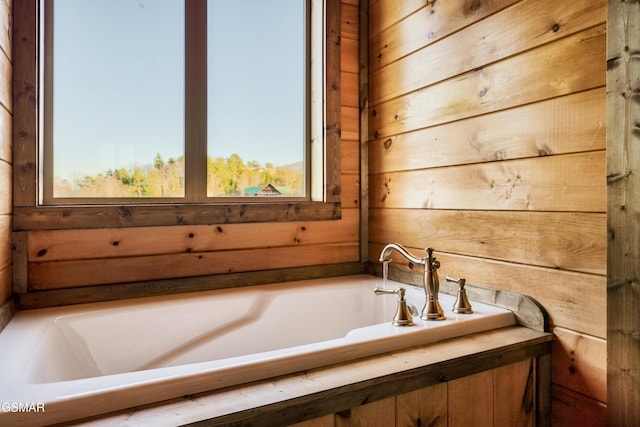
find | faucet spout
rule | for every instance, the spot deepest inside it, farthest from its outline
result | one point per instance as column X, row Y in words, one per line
column 385, row 255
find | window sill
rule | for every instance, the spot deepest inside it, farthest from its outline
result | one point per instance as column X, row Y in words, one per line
column 109, row 216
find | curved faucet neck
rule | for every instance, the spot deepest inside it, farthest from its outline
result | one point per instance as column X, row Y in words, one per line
column 386, row 254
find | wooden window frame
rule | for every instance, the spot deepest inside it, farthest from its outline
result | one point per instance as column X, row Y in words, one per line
column 29, row 214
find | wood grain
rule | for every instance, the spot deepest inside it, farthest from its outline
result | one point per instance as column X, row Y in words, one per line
column 495, row 86
column 521, row 237
column 487, row 137
column 6, row 158
column 65, row 274
column 6, row 128
column 427, row 406
column 623, row 266
column 376, row 414
column 61, row 245
column 349, row 20
column 569, row 408
column 572, row 182
column 469, row 401
column 579, row 362
column 25, row 101
column 568, row 124
column 6, row 192
column 514, row 395
column 416, row 29
column 524, row 26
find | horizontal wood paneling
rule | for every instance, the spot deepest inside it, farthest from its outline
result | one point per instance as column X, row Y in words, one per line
column 487, row 136
column 569, row 124
column 384, row 13
column 432, row 22
column 66, row 274
column 495, row 87
column 569, row 408
column 349, row 82
column 349, row 55
column 61, row 245
column 349, row 19
column 572, row 182
column 350, row 160
column 350, row 195
column 522, row 27
column 580, row 363
column 561, row 240
column 350, row 124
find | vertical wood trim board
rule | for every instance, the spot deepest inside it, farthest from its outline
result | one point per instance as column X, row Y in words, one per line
column 6, row 151
column 623, row 178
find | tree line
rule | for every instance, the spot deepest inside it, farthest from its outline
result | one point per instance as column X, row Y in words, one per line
column 228, row 176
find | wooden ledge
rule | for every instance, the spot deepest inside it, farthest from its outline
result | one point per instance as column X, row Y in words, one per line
column 318, row 392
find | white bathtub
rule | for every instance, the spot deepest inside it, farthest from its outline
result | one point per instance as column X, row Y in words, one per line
column 82, row 360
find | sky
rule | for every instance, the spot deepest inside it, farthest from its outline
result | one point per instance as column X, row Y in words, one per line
column 119, row 82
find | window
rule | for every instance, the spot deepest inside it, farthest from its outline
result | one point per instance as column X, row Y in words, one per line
column 123, row 114
column 151, row 128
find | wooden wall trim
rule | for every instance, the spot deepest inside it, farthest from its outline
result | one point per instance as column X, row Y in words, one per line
column 25, row 96
column 363, row 78
column 333, row 123
column 92, row 217
column 623, row 165
column 81, row 295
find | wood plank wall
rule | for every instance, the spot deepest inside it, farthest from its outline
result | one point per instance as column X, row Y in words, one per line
column 72, row 259
column 487, row 142
column 5, row 149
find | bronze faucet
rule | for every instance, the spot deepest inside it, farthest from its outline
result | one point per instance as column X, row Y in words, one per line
column 430, row 280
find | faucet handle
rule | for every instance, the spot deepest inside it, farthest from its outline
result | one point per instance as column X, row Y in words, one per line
column 460, row 280
column 403, row 316
column 462, row 304
column 399, row 291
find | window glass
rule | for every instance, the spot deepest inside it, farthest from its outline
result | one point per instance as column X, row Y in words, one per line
column 114, row 107
column 257, row 96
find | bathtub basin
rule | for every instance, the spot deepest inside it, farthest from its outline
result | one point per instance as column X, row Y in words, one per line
column 82, row 360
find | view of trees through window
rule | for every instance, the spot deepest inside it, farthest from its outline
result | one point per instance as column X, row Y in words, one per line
column 130, row 112
column 230, row 177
